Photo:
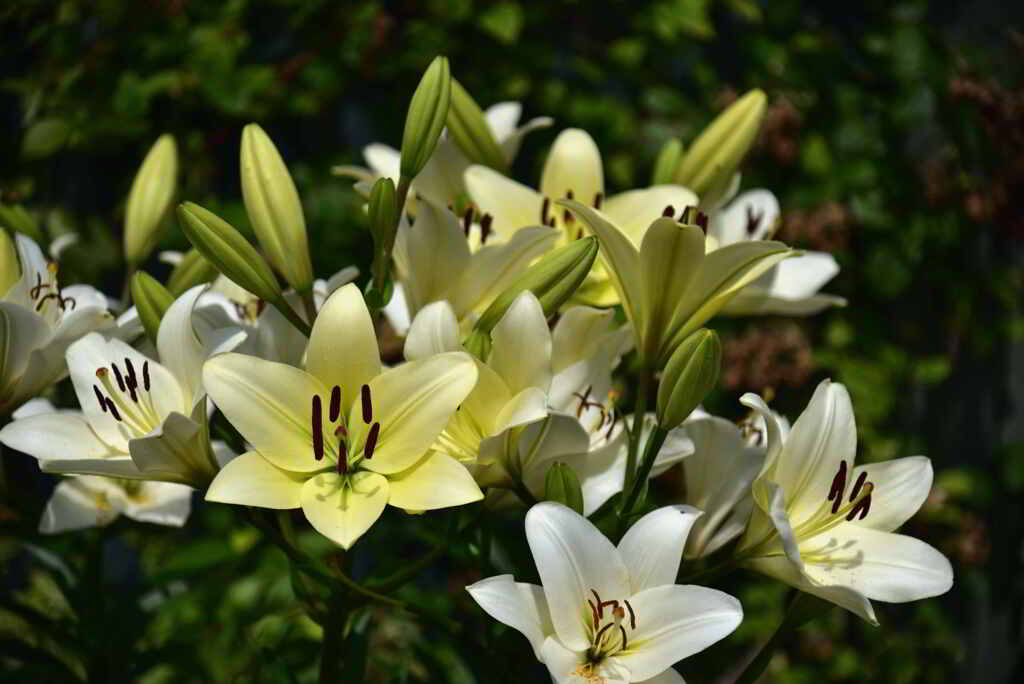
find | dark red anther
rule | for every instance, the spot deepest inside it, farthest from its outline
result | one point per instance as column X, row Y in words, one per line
column 467, row 221
column 593, row 609
column 598, row 200
column 861, row 507
column 858, row 484
column 145, row 375
column 753, row 220
column 131, row 389
column 702, row 221
column 113, row 410
column 600, row 603
column 318, row 428
column 835, row 494
column 100, row 398
column 131, row 377
column 367, row 404
column 544, row 207
column 485, row 227
column 668, row 212
column 118, row 377
column 342, row 458
column 551, row 222
column 625, row 643
column 335, row 409
column 632, row 615
column 371, row 440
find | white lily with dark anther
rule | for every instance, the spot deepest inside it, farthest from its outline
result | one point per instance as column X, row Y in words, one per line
column 84, row 501
column 607, row 614
column 140, row 418
column 573, row 170
column 343, row 438
column 39, row 320
column 826, row 526
column 789, row 288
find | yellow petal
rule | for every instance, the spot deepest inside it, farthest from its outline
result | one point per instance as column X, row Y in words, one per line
column 251, row 480
column 342, row 511
column 573, row 165
column 437, row 481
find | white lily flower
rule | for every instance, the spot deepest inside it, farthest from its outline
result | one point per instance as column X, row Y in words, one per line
column 609, row 614
column 434, row 262
column 140, row 418
column 440, row 181
column 86, row 501
column 344, row 437
column 789, row 288
column 825, row 526
column 39, row 320
column 573, row 170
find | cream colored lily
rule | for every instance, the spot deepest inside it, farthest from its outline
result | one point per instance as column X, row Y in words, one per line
column 139, row 419
column 39, row 320
column 84, row 501
column 607, row 614
column 668, row 285
column 825, row 526
column 344, row 437
column 573, row 170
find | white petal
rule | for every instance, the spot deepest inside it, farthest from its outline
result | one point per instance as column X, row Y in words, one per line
column 528, row 406
column 751, row 216
column 513, row 205
column 562, row 662
column 573, row 166
column 437, row 481
column 344, row 513
column 179, row 346
column 557, row 438
column 516, row 604
column 434, row 330
column 160, row 503
column 802, row 276
column 75, row 505
column 669, row 676
column 397, row 310
column 900, row 489
column 674, row 622
column 502, row 119
column 653, row 547
column 755, row 300
column 430, row 255
column 177, row 452
column 57, row 435
column 780, row 568
column 251, row 480
column 521, row 351
column 573, row 558
column 636, row 210
column 510, row 145
column 384, row 160
column 21, row 332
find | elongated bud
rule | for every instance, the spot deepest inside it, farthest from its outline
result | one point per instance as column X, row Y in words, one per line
column 428, row 111
column 691, row 373
column 553, row 279
column 478, row 343
column 274, row 209
column 151, row 301
column 193, row 269
column 150, row 198
column 228, row 251
column 382, row 210
column 709, row 164
column 562, row 486
column 668, row 159
column 470, row 130
column 17, row 219
column 10, row 270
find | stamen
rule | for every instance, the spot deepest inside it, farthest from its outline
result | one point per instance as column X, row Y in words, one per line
column 367, row 405
column 593, row 609
column 567, row 217
column 335, row 403
column 318, row 428
column 467, row 221
column 544, row 206
column 753, row 220
column 858, row 484
column 371, row 441
column 600, row 632
column 551, row 222
column 632, row 615
column 342, row 449
column 100, row 398
column 132, row 378
column 702, row 221
column 598, row 199
column 625, row 642
column 113, row 410
column 835, row 494
column 38, row 288
column 668, row 212
column 863, row 504
column 600, row 603
column 118, row 377
column 145, row 375
column 485, row 227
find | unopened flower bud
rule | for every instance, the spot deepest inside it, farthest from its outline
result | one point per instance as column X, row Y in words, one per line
column 151, row 302
column 708, row 166
column 10, row 270
column 478, row 343
column 382, row 210
column 428, row 111
column 228, row 251
column 563, row 486
column 193, row 269
column 149, row 199
column 691, row 373
column 470, row 130
column 668, row 159
column 274, row 209
column 553, row 279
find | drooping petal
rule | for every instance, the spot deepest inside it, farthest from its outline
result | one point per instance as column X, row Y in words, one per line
column 435, row 330
column 775, row 432
column 55, row 435
column 634, row 211
column 573, row 168
column 751, row 216
column 802, row 276
column 512, row 205
column 502, row 118
column 179, row 346
column 900, row 489
column 383, row 159
column 782, row 569
column 674, row 622
column 653, row 547
column 573, row 558
column 75, row 505
column 251, row 480
column 340, row 511
column 519, row 605
column 528, row 406
column 160, row 503
column 669, row 676
column 521, row 350
column 270, row 404
column 343, row 349
column 177, row 452
column 436, row 481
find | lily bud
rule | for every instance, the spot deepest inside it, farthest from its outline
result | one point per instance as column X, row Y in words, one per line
column 478, row 344
column 562, row 486
column 691, row 373
column 151, row 301
column 192, row 270
column 150, row 198
column 274, row 209
column 553, row 279
column 10, row 270
column 425, row 119
column 668, row 159
column 228, row 251
column 708, row 166
column 470, row 130
column 17, row 219
column 383, row 212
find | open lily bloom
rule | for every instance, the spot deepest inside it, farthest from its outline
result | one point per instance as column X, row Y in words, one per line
column 668, row 285
column 344, row 437
column 39, row 320
column 825, row 526
column 789, row 288
column 435, row 263
column 440, row 181
column 605, row 613
column 84, row 501
column 573, row 170
column 140, row 418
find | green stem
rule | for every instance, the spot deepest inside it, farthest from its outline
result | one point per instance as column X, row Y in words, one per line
column 333, row 642
column 760, row 662
column 288, row 312
column 640, row 410
column 651, row 449
column 309, row 305
column 523, row 493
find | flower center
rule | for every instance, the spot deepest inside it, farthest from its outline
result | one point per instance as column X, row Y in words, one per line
column 345, row 456
column 48, row 291
column 839, row 507
column 597, row 418
column 566, row 221
column 607, row 628
column 130, row 404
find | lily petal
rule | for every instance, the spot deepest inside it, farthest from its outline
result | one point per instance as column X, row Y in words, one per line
column 573, row 168
column 634, row 211
column 178, row 345
column 344, row 512
column 653, row 547
column 430, row 254
column 437, row 481
column 782, row 569
column 901, row 487
column 512, row 205
column 160, row 503
column 521, row 350
column 519, row 605
column 751, row 216
column 670, row 260
column 74, row 505
column 435, row 330
column 342, row 348
column 251, row 480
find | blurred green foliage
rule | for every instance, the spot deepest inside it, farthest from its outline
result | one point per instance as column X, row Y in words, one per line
column 894, row 140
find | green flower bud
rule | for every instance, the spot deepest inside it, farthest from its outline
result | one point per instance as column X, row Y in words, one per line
column 274, row 209
column 151, row 301
column 668, row 159
column 228, row 251
column 708, row 166
column 691, row 373
column 562, row 486
column 471, row 132
column 425, row 120
column 383, row 212
column 16, row 218
column 478, row 343
column 193, row 269
column 10, row 269
column 553, row 279
column 149, row 199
